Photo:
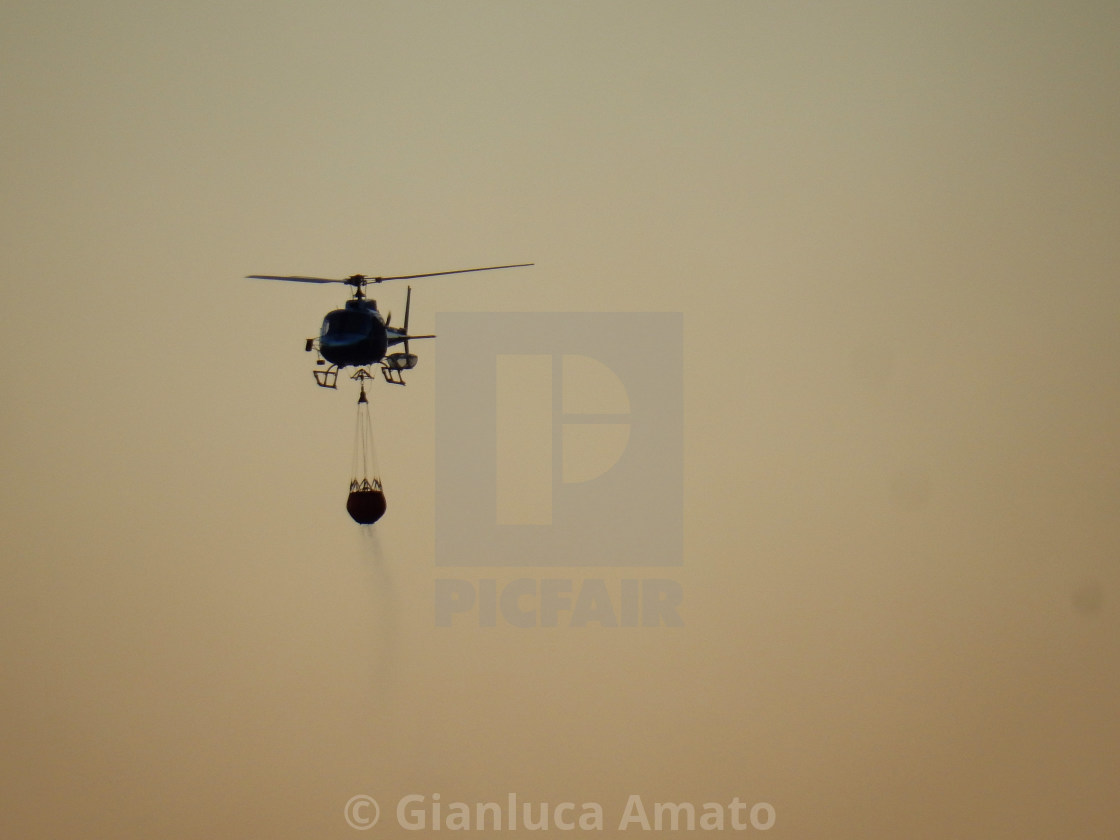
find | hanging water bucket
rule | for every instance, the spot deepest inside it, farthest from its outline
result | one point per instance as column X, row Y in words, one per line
column 366, row 502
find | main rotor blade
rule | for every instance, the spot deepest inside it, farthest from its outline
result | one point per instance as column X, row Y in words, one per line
column 441, row 273
column 295, row 279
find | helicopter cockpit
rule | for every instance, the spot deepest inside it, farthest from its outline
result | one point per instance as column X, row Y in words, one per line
column 346, row 322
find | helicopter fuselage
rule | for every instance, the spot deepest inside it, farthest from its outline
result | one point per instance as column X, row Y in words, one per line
column 354, row 336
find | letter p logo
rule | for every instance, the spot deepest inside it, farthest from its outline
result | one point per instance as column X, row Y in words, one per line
column 559, row 439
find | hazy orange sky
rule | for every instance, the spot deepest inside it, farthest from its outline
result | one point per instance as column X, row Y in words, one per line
column 891, row 229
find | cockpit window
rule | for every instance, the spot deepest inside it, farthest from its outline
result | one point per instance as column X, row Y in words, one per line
column 343, row 321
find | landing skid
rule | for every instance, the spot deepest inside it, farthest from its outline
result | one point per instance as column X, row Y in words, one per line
column 392, row 374
column 326, row 378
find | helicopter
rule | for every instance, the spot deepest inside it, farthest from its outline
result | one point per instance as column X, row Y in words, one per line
column 357, row 335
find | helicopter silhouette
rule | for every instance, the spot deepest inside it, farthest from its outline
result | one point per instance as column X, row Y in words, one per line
column 357, row 335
